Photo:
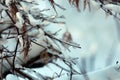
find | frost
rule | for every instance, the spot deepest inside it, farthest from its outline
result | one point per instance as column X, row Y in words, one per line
column 2, row 7
column 33, row 33
column 20, row 20
column 11, row 77
column 113, row 7
column 95, row 4
column 21, row 41
column 33, row 21
column 7, row 2
column 3, row 41
column 25, row 6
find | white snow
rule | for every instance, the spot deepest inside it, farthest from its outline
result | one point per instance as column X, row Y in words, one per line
column 95, row 33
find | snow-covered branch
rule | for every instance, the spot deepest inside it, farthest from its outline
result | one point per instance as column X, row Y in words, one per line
column 22, row 35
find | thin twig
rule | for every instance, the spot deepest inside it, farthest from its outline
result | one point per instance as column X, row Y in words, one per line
column 8, row 51
column 16, row 48
column 18, row 70
column 61, row 7
column 6, row 56
column 38, row 44
column 109, row 12
column 51, row 36
column 6, row 28
column 10, row 16
column 71, row 73
column 60, row 67
column 1, row 68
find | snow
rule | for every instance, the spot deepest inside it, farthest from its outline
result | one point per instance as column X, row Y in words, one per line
column 112, row 7
column 95, row 33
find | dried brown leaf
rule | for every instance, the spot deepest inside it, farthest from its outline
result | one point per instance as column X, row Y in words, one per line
column 85, row 3
column 89, row 5
column 13, row 11
column 46, row 57
column 75, row 3
column 24, row 29
column 26, row 46
column 67, row 37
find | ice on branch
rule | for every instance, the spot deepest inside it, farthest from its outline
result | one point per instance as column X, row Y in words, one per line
column 33, row 21
column 112, row 7
column 20, row 20
column 21, row 41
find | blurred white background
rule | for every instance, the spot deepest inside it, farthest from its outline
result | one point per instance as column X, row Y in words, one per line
column 94, row 31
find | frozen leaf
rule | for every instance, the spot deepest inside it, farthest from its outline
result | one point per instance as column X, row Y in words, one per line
column 24, row 28
column 26, row 47
column 67, row 37
column 13, row 11
column 44, row 57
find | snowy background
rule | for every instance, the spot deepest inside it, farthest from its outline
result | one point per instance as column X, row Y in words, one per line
column 94, row 31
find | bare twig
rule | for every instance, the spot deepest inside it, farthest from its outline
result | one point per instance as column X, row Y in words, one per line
column 10, row 16
column 16, row 48
column 71, row 73
column 51, row 36
column 61, row 7
column 38, row 44
column 109, row 12
column 21, row 72
column 1, row 63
